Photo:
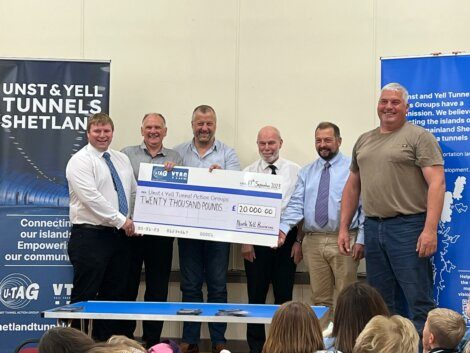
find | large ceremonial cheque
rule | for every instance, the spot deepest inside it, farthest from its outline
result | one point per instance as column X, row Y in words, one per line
column 222, row 205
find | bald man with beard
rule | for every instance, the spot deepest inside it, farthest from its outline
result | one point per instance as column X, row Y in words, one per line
column 264, row 265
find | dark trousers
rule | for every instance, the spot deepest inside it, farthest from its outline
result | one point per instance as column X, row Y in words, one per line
column 404, row 279
column 202, row 260
column 100, row 260
column 274, row 266
column 156, row 253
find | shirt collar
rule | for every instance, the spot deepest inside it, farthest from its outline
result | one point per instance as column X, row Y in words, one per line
column 442, row 350
column 97, row 153
column 264, row 164
column 162, row 151
column 215, row 146
column 332, row 161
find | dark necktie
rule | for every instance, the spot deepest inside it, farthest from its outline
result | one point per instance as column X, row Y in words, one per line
column 123, row 208
column 273, row 168
column 321, row 205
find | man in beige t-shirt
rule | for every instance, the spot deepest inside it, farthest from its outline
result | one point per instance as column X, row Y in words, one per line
column 398, row 171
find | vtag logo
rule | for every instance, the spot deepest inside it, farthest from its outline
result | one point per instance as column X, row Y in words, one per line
column 17, row 291
column 62, row 292
column 176, row 175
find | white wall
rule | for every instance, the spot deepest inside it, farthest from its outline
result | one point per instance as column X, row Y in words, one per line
column 290, row 64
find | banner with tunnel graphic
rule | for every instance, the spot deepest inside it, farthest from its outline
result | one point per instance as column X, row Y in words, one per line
column 44, row 107
column 440, row 102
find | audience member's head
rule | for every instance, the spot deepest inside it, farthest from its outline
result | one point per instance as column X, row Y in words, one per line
column 388, row 335
column 294, row 329
column 467, row 309
column 103, row 347
column 64, row 340
column 126, row 341
column 169, row 346
column 444, row 328
column 466, row 348
column 356, row 305
column 117, row 347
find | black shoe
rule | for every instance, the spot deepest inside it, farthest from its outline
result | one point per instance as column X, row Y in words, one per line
column 189, row 348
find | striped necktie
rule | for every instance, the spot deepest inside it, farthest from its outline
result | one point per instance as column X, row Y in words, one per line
column 321, row 205
column 123, row 208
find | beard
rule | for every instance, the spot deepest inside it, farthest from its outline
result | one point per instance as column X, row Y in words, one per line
column 270, row 159
column 327, row 154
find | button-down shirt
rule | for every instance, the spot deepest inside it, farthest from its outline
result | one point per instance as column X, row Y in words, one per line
column 286, row 169
column 302, row 203
column 219, row 153
column 93, row 198
column 140, row 154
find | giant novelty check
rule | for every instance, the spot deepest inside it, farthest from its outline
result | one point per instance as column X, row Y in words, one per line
column 224, row 205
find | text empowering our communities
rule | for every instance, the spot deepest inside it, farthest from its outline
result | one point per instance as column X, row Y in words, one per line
column 222, row 205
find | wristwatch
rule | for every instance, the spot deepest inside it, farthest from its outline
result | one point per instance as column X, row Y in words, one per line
column 299, row 241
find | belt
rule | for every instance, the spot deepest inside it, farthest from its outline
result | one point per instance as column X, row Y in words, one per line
column 329, row 233
column 394, row 217
column 324, row 233
column 94, row 227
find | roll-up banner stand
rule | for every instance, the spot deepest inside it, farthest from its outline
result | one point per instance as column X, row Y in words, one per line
column 439, row 88
column 44, row 107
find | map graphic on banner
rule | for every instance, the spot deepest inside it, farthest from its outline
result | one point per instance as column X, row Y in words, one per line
column 44, row 107
column 439, row 101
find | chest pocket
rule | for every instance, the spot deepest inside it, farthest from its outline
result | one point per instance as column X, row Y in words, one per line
column 401, row 153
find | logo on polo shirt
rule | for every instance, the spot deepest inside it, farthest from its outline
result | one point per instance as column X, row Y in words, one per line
column 176, row 175
column 17, row 291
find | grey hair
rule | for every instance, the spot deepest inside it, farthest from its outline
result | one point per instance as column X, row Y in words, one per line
column 154, row 114
column 204, row 109
column 394, row 86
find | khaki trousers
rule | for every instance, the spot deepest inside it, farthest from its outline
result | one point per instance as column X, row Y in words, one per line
column 329, row 271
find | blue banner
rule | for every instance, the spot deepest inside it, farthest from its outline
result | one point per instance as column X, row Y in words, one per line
column 439, row 89
column 44, row 107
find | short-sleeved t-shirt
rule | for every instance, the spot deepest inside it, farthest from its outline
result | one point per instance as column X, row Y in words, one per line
column 392, row 182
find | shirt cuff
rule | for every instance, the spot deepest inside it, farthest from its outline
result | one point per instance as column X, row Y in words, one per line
column 119, row 221
column 360, row 236
column 284, row 228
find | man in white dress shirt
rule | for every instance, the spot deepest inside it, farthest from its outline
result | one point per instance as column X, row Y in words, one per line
column 264, row 265
column 101, row 184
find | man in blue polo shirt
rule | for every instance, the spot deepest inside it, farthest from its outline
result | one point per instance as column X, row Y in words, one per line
column 200, row 259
